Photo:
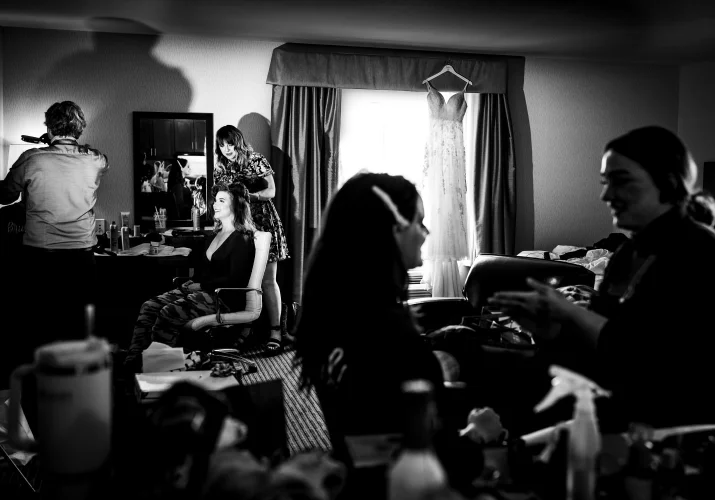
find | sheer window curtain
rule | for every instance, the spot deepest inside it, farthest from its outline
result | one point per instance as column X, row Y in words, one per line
column 386, row 131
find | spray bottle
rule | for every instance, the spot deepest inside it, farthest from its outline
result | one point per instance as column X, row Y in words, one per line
column 113, row 237
column 584, row 437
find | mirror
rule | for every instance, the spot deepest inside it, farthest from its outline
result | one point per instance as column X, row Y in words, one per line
column 173, row 167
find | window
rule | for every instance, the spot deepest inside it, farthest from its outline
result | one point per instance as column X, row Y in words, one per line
column 385, row 131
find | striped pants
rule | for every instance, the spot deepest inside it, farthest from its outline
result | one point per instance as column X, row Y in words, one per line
column 162, row 319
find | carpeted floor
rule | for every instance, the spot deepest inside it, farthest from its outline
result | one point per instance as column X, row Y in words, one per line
column 305, row 427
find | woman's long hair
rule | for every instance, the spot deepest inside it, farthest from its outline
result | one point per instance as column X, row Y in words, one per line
column 355, row 267
column 242, row 220
column 176, row 176
column 228, row 134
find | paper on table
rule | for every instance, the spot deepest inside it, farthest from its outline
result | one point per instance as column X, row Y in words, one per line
column 164, row 251
column 150, row 386
column 160, row 357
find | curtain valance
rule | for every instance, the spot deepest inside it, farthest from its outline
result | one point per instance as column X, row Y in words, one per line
column 305, row 65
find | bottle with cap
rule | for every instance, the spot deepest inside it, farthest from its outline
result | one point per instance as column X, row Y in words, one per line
column 195, row 218
column 126, row 245
column 417, row 471
column 113, row 237
column 584, row 439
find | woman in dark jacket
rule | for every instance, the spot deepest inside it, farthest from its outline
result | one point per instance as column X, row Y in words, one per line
column 649, row 330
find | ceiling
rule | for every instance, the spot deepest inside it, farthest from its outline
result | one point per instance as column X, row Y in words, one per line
column 654, row 31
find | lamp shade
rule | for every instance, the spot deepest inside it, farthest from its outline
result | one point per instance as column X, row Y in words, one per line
column 14, row 152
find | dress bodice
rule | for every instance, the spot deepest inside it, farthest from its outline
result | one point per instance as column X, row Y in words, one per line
column 452, row 109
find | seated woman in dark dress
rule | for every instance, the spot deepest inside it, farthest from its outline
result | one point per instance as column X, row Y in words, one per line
column 229, row 261
column 647, row 335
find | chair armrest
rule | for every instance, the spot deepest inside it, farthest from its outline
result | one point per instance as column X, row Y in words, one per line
column 229, row 289
column 435, row 312
column 180, row 280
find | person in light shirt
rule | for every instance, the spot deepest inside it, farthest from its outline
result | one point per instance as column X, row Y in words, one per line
column 58, row 184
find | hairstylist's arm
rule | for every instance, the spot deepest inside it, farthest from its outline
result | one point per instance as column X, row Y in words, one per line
column 267, row 193
column 544, row 311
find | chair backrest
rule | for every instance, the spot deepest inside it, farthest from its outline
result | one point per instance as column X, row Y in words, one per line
column 254, row 300
column 493, row 272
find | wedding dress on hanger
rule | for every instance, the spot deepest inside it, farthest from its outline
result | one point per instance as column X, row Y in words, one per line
column 444, row 185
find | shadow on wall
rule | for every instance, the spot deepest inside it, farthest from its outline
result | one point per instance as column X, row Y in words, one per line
column 524, row 173
column 117, row 76
column 257, row 130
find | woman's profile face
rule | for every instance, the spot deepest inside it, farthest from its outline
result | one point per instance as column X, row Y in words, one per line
column 411, row 238
column 630, row 192
column 229, row 151
column 223, row 206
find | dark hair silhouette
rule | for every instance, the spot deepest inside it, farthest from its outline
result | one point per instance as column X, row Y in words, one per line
column 357, row 228
column 176, row 176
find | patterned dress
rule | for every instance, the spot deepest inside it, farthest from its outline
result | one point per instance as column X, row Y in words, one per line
column 264, row 213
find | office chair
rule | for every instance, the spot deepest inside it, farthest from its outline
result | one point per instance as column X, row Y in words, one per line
column 211, row 323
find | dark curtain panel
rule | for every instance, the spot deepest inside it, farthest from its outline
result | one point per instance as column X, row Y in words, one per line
column 494, row 189
column 305, row 130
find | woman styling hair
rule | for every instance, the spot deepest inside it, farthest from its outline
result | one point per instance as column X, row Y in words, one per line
column 237, row 162
column 228, row 263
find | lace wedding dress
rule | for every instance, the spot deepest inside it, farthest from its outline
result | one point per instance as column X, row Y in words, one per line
column 443, row 191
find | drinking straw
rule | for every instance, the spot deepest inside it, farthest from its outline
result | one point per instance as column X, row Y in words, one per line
column 89, row 320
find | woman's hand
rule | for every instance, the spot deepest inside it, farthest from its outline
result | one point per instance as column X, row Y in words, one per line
column 190, row 286
column 541, row 311
column 484, row 426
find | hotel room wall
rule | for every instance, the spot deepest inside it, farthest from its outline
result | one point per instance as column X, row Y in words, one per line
column 696, row 113
column 568, row 110
column 574, row 108
column 112, row 75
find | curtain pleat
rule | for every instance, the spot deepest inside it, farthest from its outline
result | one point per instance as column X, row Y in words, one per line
column 305, row 130
column 494, row 185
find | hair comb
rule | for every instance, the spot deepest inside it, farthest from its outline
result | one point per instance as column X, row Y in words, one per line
column 399, row 218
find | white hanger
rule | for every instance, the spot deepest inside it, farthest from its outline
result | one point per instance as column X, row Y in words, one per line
column 447, row 69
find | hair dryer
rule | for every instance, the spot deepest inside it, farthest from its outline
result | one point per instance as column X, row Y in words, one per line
column 44, row 138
